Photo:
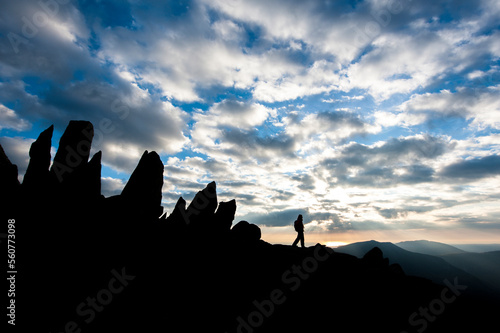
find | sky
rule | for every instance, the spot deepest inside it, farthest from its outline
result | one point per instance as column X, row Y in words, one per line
column 375, row 119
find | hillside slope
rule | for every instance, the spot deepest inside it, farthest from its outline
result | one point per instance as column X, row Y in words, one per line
column 430, row 267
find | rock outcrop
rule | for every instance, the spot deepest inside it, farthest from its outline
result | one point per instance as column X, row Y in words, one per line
column 9, row 186
column 202, row 209
column 143, row 190
column 225, row 215
column 246, row 233
column 178, row 218
column 8, row 173
column 36, row 178
column 375, row 258
column 73, row 152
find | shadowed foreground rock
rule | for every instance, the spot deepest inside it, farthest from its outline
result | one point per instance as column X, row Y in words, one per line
column 142, row 192
column 37, row 173
column 113, row 265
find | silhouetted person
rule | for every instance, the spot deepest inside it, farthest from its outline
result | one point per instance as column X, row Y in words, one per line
column 299, row 227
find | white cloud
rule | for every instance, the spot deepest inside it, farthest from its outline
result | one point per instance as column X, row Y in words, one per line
column 111, row 186
column 228, row 30
column 239, row 114
column 399, row 64
column 211, row 128
column 9, row 119
column 321, row 77
column 327, row 127
column 185, row 59
column 324, row 26
column 482, row 105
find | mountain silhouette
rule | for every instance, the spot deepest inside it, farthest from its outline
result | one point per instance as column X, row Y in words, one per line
column 485, row 266
column 427, row 266
column 120, row 263
column 428, row 247
column 478, row 247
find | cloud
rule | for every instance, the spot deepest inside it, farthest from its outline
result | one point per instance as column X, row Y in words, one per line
column 9, row 119
column 328, row 127
column 481, row 105
column 313, row 221
column 231, row 130
column 396, row 161
column 111, row 186
column 399, row 213
column 239, row 114
column 127, row 120
column 183, row 58
column 473, row 169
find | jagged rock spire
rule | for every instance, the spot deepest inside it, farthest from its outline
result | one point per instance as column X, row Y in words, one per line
column 37, row 173
column 143, row 189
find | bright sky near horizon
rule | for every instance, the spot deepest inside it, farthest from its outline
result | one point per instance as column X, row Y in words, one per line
column 375, row 119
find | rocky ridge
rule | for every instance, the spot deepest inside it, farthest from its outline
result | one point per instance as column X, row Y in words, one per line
column 191, row 268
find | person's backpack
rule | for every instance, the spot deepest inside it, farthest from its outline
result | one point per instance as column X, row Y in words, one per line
column 296, row 226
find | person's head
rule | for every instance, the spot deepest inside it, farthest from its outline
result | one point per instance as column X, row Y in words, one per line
column 300, row 217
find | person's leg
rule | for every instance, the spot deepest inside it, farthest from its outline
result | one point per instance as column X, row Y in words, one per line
column 302, row 239
column 296, row 240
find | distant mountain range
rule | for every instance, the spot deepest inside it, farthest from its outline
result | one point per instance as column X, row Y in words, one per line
column 438, row 262
column 428, row 247
column 478, row 247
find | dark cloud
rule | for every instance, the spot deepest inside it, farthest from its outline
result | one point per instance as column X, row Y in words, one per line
column 426, row 146
column 397, row 161
column 281, row 195
column 275, row 219
column 340, row 119
column 473, row 169
column 184, row 184
column 325, row 221
column 486, row 221
column 393, row 213
column 306, row 182
column 253, row 145
column 235, row 183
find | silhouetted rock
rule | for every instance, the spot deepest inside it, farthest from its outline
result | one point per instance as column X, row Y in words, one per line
column 246, row 233
column 178, row 218
column 8, row 173
column 201, row 210
column 396, row 269
column 225, row 215
column 73, row 152
column 143, row 189
column 374, row 255
column 9, row 185
column 375, row 258
column 37, row 173
column 92, row 177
